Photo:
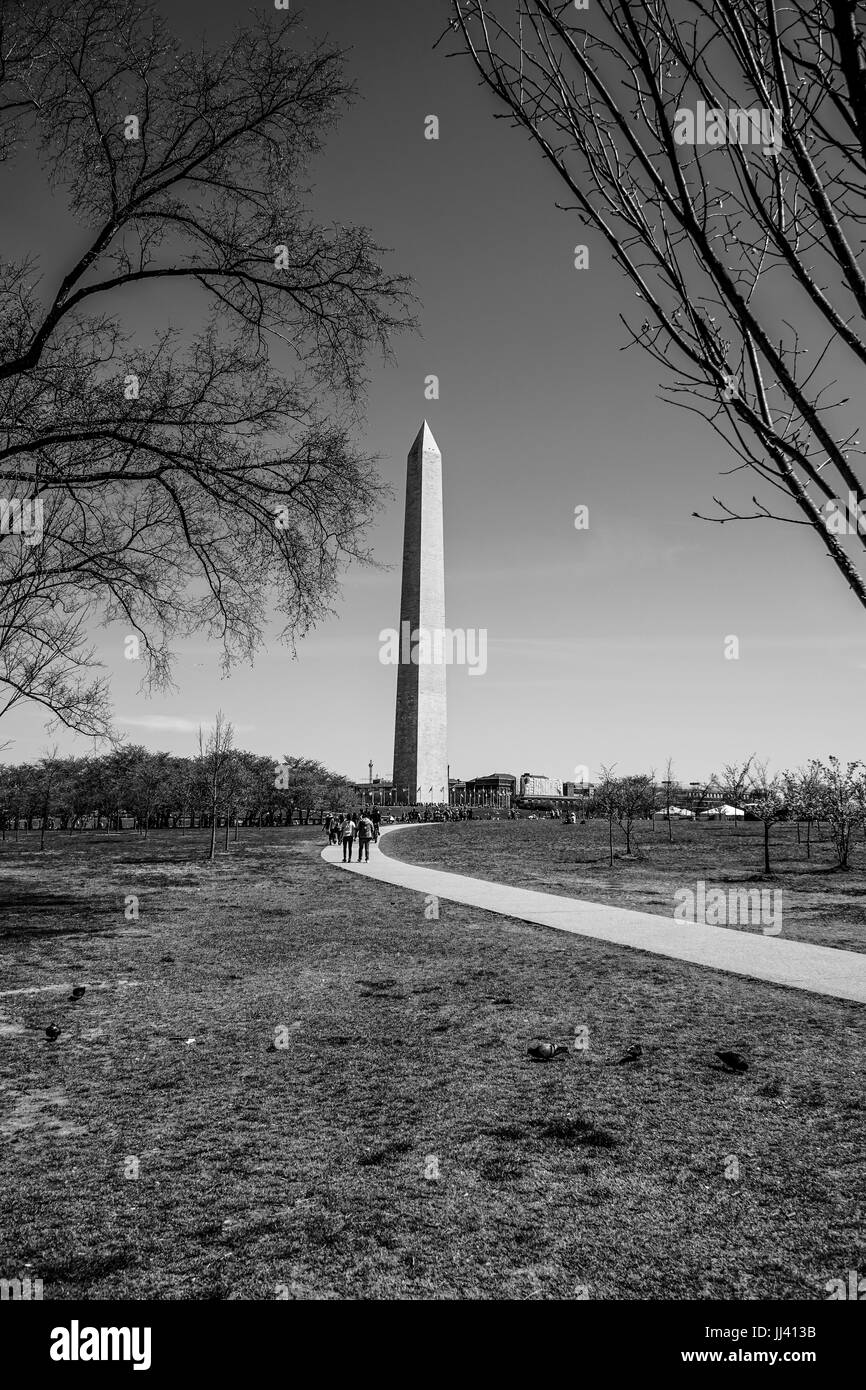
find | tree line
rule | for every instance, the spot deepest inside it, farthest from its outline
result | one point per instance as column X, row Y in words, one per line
column 832, row 793
column 228, row 786
column 220, row 784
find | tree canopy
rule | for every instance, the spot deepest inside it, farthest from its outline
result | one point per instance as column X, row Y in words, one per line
column 205, row 479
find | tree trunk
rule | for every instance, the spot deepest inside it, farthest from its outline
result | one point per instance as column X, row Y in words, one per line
column 213, row 830
column 766, row 847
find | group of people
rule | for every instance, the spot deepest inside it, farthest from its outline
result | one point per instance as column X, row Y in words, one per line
column 346, row 828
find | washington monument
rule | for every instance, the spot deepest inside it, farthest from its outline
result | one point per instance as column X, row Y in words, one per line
column 420, row 738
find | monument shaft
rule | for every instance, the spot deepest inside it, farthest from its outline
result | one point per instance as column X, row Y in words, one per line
column 420, row 736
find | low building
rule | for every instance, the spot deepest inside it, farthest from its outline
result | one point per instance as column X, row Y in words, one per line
column 494, row 789
column 578, row 789
column 379, row 792
column 539, row 784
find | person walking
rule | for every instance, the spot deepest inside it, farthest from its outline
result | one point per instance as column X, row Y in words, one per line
column 375, row 817
column 365, row 835
column 348, row 834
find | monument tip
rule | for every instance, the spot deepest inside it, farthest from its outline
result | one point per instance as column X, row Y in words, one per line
column 424, row 438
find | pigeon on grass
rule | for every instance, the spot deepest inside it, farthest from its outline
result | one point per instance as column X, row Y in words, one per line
column 545, row 1051
column 732, row 1061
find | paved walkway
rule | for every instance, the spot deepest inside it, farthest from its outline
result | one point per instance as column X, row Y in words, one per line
column 798, row 964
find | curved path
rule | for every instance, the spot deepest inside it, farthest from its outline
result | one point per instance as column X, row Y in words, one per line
column 798, row 964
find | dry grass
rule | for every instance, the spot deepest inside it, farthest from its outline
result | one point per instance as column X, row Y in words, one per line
column 310, row 1167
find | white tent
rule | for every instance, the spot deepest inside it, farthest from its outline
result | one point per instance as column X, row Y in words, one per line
column 676, row 811
column 716, row 812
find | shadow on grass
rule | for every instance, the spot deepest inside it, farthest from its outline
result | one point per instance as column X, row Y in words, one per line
column 82, row 1270
column 577, row 1134
column 61, row 906
column 571, row 1134
column 382, row 1155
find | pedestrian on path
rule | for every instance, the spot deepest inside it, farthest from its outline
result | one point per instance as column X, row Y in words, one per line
column 365, row 835
column 348, row 838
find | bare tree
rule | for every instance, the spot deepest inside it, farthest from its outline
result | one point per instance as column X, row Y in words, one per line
column 766, row 793
column 841, row 803
column 216, row 756
column 606, row 803
column 633, row 797
column 192, row 481
column 236, row 792
column 804, row 793
column 720, row 152
column 669, row 781
column 733, row 783
column 699, row 794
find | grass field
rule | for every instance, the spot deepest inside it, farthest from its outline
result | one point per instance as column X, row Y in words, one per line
column 818, row 902
column 402, row 1144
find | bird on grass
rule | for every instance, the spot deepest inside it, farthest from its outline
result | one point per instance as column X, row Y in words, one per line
column 631, row 1054
column 78, row 992
column 52, row 1032
column 545, row 1051
column 732, row 1061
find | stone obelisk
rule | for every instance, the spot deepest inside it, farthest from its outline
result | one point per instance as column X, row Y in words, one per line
column 420, row 742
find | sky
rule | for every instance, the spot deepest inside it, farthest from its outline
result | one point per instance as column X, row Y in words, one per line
column 605, row 645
